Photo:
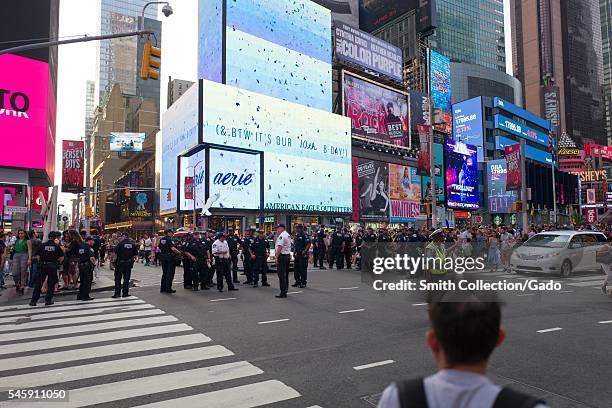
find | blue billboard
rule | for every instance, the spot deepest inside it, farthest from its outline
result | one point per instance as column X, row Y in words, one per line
column 531, row 152
column 440, row 81
column 467, row 124
column 461, row 176
column 520, row 129
column 438, row 151
column 520, row 112
column 499, row 200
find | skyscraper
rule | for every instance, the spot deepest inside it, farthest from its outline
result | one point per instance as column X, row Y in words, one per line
column 605, row 7
column 90, row 103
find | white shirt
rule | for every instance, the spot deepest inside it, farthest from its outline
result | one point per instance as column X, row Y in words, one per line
column 284, row 241
column 220, row 249
column 147, row 244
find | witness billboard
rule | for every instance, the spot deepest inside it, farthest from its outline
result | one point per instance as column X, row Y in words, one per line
column 461, row 176
column 376, row 13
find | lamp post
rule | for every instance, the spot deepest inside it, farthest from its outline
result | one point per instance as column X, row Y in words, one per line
column 167, row 10
column 59, row 215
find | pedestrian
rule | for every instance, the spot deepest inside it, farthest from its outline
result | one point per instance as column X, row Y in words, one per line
column 103, row 248
column 71, row 250
column 87, row 263
column 22, row 260
column 35, row 267
column 127, row 253
column 493, row 254
column 221, row 252
column 337, row 246
column 148, row 246
column 2, row 259
column 348, row 248
column 320, row 250
column 197, row 251
column 604, row 257
column 259, row 251
column 247, row 262
column 209, row 241
column 51, row 255
column 167, row 255
column 181, row 245
column 300, row 257
column 234, row 243
column 282, row 254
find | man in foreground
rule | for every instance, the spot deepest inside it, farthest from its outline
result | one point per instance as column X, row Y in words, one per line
column 462, row 337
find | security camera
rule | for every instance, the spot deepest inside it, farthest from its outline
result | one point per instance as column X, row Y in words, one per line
column 167, row 10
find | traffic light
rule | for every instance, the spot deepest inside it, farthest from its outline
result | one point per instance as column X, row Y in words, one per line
column 151, row 60
column 518, row 206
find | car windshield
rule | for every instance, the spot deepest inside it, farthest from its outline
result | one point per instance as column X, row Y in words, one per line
column 547, row 241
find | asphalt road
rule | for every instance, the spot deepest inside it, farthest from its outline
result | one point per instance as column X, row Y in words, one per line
column 337, row 343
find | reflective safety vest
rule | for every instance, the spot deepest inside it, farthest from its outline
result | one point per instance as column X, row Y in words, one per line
column 437, row 251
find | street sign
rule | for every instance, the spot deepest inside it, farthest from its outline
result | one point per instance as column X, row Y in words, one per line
column 64, row 218
column 16, row 209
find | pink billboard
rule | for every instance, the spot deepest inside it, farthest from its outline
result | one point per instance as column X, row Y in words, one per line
column 27, row 114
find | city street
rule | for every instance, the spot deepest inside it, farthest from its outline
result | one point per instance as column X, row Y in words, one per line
column 337, row 343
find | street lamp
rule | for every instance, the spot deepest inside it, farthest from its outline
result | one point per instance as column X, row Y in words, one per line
column 58, row 214
column 167, row 10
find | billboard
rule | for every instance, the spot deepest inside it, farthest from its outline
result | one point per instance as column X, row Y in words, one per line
column 513, row 163
column 500, row 200
column 426, row 16
column 358, row 47
column 419, row 109
column 520, row 129
column 376, row 13
column 141, row 204
column 550, row 99
column 235, row 179
column 26, row 101
column 424, row 157
column 126, row 142
column 307, row 151
column 375, row 111
column 440, row 78
column 405, row 193
column 520, row 112
column 346, row 11
column 287, row 45
column 372, row 190
column 192, row 177
column 36, row 201
column 461, row 176
column 531, row 152
column 467, row 124
column 438, row 150
column 72, row 166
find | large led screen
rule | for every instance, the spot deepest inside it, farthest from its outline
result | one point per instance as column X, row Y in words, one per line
column 371, row 190
column 440, row 81
column 461, row 177
column 194, row 168
column 438, row 150
column 277, row 48
column 376, row 13
column 375, row 111
column 467, row 124
column 307, row 151
column 234, row 179
column 405, row 193
column 520, row 129
column 126, row 141
column 500, row 200
column 531, row 152
column 179, row 133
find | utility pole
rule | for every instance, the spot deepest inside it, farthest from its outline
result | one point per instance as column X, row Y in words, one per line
column 524, row 187
column 87, row 180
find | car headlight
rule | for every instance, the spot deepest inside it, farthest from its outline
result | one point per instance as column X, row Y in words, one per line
column 550, row 255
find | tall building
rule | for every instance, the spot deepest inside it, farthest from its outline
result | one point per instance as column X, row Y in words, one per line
column 606, row 43
column 90, row 103
column 557, row 47
column 176, row 88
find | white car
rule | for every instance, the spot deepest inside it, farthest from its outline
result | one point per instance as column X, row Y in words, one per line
column 558, row 252
column 272, row 259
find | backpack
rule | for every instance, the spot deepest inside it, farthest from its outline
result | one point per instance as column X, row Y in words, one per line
column 411, row 394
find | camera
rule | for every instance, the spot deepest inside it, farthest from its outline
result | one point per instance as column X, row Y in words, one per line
column 167, row 10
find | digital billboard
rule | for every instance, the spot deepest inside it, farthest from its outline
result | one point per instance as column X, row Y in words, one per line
column 520, row 129
column 405, row 193
column 467, row 124
column 440, row 78
column 520, row 112
column 376, row 13
column 307, row 151
column 126, row 142
column 461, row 176
column 141, row 204
column 371, row 189
column 287, row 45
column 419, row 109
column 193, row 168
column 235, row 178
column 531, row 152
column 352, row 45
column 500, row 200
column 438, row 150
column 375, row 111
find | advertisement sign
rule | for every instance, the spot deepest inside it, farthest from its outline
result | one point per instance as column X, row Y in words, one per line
column 531, row 152
column 443, row 121
column 591, row 215
column 467, row 124
column 590, row 196
column 8, row 198
column 193, row 186
column 419, row 109
column 373, row 190
column 126, row 142
column 24, row 111
column 550, row 99
column 37, row 202
column 438, row 163
column 461, row 179
column 513, row 165
column 346, row 11
column 598, row 150
column 569, row 152
column 358, row 47
column 234, row 179
column 520, row 112
column 500, row 200
column 188, row 186
column 355, row 216
column 141, row 204
column 375, row 111
column 440, row 81
column 405, row 193
column 424, row 157
column 72, row 166
column 307, row 151
column 426, row 16
column 521, row 130
column 376, row 13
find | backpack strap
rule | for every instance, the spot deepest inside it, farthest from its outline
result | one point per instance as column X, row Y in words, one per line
column 411, row 393
column 508, row 398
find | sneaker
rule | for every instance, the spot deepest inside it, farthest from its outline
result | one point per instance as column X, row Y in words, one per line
column 125, row 295
column 247, row 282
column 302, row 286
column 171, row 291
column 280, row 296
column 220, row 290
column 87, row 299
column 195, row 289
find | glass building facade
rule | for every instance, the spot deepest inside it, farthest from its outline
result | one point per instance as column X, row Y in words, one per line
column 605, row 9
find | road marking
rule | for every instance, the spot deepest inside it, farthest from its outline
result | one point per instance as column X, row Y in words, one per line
column 419, row 304
column 294, row 293
column 274, row 321
column 221, row 300
column 141, row 386
column 566, row 291
column 76, row 320
column 14, row 363
column 351, row 311
column 605, row 322
column 587, row 278
column 550, row 330
column 380, row 363
column 75, row 313
column 86, row 328
column 94, row 338
column 585, row 284
column 52, row 310
column 526, row 294
column 67, row 303
column 66, row 374
column 244, row 396
column 351, row 288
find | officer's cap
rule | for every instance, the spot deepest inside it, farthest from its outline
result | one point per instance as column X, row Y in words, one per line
column 169, row 230
column 280, row 226
column 125, row 235
column 299, row 226
column 90, row 238
column 220, row 234
column 436, row 233
column 52, row 235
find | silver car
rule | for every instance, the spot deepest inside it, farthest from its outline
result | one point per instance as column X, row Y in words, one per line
column 558, row 252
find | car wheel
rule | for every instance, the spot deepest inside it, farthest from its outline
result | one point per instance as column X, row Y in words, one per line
column 566, row 268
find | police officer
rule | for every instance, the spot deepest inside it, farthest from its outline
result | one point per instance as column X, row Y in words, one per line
column 301, row 244
column 436, row 249
column 51, row 255
column 383, row 236
column 127, row 251
column 358, row 243
column 320, row 250
column 337, row 242
column 208, row 241
column 401, row 236
column 167, row 253
column 348, row 247
column 197, row 252
column 259, row 251
column 234, row 243
column 220, row 251
column 87, row 263
column 187, row 267
column 247, row 261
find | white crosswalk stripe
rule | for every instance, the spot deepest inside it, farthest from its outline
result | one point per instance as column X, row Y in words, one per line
column 103, row 341
column 585, row 281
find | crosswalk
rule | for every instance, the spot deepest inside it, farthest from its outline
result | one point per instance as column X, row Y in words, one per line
column 578, row 281
column 125, row 352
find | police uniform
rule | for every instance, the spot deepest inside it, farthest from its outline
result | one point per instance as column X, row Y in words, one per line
column 168, row 263
column 126, row 250
column 187, row 279
column 50, row 254
column 348, row 248
column 358, row 243
column 300, row 267
column 337, row 239
column 319, row 251
column 248, row 262
column 199, row 268
column 86, row 252
column 233, row 241
column 260, row 248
